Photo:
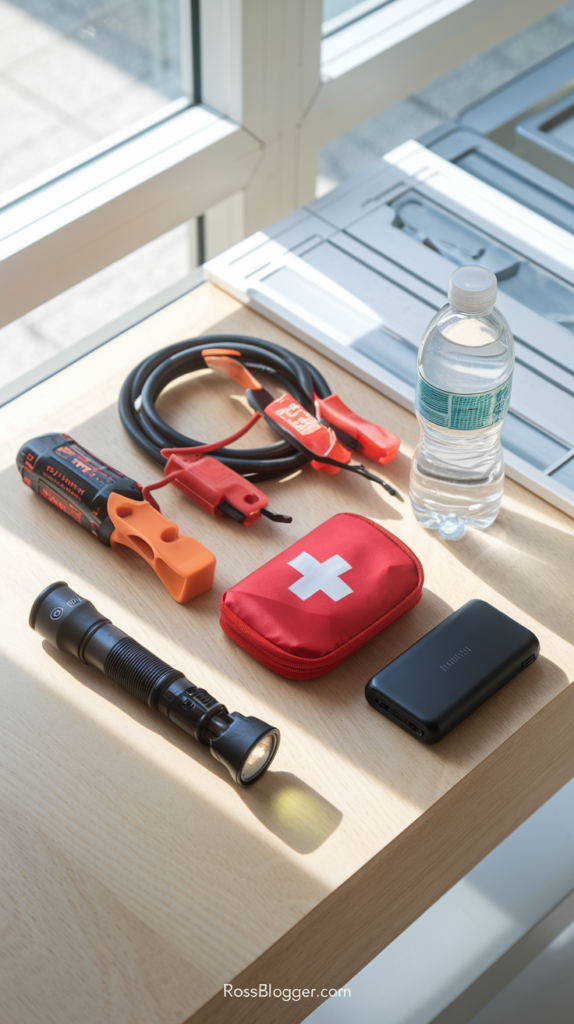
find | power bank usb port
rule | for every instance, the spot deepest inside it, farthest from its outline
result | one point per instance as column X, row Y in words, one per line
column 395, row 714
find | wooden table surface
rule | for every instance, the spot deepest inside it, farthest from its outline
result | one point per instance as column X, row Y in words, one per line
column 137, row 879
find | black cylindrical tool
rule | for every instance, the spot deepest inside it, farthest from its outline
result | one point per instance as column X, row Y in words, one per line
column 74, row 480
column 246, row 746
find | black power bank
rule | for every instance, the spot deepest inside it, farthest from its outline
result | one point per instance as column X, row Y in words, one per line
column 452, row 670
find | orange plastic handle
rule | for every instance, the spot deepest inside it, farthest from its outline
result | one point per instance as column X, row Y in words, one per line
column 185, row 567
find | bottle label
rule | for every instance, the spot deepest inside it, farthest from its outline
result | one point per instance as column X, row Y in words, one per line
column 462, row 412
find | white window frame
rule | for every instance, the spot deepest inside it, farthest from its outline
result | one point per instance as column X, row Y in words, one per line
column 273, row 93
column 79, row 223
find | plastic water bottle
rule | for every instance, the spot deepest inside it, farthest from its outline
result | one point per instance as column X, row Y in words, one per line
column 464, row 376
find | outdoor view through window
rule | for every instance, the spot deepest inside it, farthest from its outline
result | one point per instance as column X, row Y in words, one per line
column 78, row 77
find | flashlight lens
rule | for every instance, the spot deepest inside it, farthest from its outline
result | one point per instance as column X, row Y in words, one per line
column 258, row 757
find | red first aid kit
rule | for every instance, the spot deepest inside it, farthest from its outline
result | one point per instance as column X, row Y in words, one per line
column 309, row 608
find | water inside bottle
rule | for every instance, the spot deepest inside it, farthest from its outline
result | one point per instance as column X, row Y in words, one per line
column 464, row 375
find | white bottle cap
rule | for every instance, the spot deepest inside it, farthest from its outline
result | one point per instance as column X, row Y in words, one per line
column 472, row 289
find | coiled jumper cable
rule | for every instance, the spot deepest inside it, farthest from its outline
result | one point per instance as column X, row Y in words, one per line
column 304, row 386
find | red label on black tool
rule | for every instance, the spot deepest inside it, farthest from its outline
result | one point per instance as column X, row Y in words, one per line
column 87, row 464
column 74, row 480
column 56, row 499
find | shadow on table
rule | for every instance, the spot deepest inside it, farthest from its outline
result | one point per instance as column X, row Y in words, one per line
column 503, row 707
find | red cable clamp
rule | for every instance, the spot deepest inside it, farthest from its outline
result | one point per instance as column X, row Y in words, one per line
column 211, row 485
column 314, row 437
column 330, row 441
column 375, row 442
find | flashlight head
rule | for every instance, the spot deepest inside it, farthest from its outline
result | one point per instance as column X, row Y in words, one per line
column 246, row 746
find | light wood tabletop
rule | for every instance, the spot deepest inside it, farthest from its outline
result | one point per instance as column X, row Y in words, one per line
column 137, row 879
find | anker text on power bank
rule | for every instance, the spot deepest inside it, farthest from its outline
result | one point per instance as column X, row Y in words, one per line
column 448, row 673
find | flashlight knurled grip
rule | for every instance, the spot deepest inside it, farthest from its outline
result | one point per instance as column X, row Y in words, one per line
column 138, row 671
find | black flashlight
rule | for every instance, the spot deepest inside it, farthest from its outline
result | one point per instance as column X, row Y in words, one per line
column 246, row 746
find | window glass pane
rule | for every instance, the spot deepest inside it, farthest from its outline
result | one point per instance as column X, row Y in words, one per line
column 333, row 7
column 77, row 76
column 338, row 13
column 565, row 475
column 531, row 444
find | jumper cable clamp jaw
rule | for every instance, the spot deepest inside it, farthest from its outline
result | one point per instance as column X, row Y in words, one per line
column 356, row 433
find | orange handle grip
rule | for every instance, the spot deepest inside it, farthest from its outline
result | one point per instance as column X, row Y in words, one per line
column 185, row 567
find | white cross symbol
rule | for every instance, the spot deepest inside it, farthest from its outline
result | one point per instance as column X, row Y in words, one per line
column 320, row 576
